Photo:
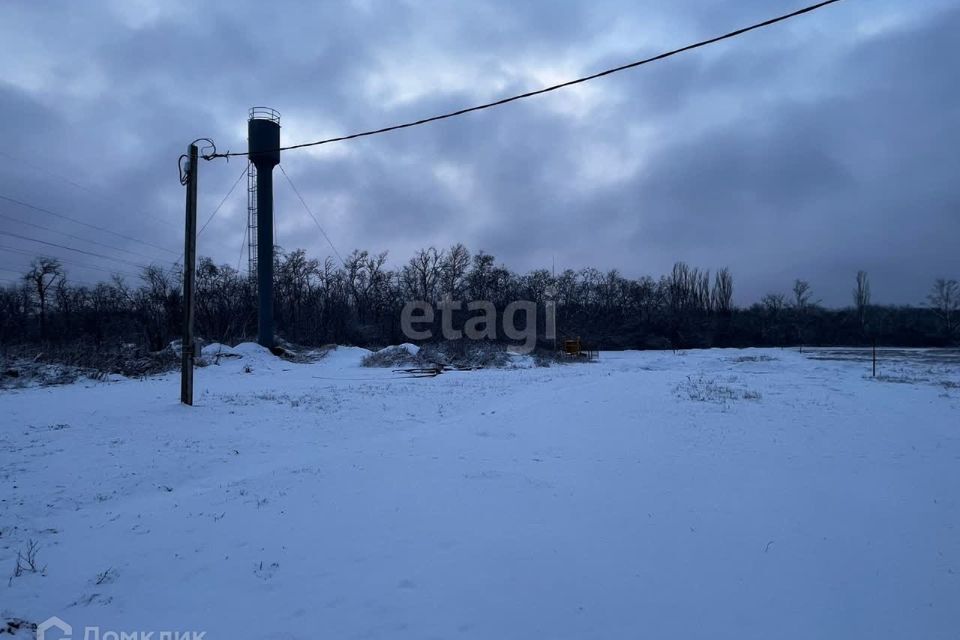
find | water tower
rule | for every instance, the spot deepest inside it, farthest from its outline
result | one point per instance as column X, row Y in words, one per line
column 263, row 139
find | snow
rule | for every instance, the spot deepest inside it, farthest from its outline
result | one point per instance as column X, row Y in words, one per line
column 344, row 360
column 252, row 349
column 216, row 349
column 713, row 494
column 521, row 360
column 412, row 349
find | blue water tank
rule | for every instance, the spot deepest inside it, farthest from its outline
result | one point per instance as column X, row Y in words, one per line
column 263, row 136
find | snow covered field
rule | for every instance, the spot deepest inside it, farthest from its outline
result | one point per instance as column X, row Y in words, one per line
column 714, row 494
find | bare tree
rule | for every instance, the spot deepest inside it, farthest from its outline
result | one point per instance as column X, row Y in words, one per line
column 680, row 286
column 14, row 312
column 861, row 297
column 422, row 274
column 157, row 303
column 453, row 269
column 802, row 301
column 702, row 298
column 774, row 303
column 536, row 283
column 723, row 292
column 944, row 297
column 360, row 302
column 480, row 278
column 801, row 294
column 44, row 273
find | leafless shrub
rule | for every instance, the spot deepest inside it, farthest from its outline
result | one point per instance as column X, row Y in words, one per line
column 390, row 357
column 549, row 357
column 472, row 354
column 27, row 560
column 897, row 379
column 701, row 389
column 760, row 358
column 107, row 577
column 478, row 354
column 301, row 355
column 65, row 364
column 13, row 626
column 266, row 571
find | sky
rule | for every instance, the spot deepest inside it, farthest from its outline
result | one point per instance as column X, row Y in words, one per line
column 812, row 149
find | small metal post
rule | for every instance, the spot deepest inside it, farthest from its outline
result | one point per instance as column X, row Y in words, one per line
column 189, row 275
column 874, row 357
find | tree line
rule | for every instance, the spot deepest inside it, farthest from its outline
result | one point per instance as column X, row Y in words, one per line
column 360, row 301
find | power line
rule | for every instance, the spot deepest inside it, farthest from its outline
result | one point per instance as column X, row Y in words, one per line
column 63, row 276
column 67, row 261
column 69, row 235
column 21, row 161
column 529, row 94
column 243, row 173
column 81, row 222
column 60, row 246
column 315, row 221
column 70, row 262
column 246, row 236
column 240, row 177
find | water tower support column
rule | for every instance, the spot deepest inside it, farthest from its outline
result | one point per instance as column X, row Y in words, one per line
column 263, row 134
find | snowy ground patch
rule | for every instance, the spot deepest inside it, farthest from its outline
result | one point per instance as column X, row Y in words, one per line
column 327, row 499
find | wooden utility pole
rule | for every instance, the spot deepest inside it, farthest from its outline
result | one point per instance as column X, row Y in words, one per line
column 189, row 275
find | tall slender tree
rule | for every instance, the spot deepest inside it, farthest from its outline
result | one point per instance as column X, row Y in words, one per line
column 861, row 298
column 43, row 275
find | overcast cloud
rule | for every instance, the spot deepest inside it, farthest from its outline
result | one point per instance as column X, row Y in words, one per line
column 809, row 150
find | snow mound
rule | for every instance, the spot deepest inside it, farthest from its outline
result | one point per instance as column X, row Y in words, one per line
column 219, row 349
column 521, row 361
column 250, row 349
column 346, row 356
column 410, row 348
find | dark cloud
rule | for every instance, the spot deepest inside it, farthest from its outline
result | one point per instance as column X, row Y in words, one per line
column 812, row 150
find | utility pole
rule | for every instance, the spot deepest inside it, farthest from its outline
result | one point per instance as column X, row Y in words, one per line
column 187, row 346
column 553, row 286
